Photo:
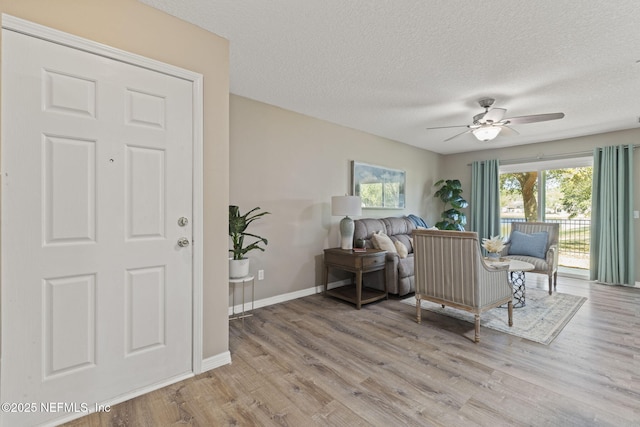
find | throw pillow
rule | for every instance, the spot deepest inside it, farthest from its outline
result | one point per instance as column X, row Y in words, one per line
column 401, row 248
column 534, row 245
column 382, row 241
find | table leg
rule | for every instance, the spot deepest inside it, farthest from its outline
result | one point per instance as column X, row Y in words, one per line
column 243, row 316
column 519, row 290
column 233, row 300
column 326, row 279
column 358, row 289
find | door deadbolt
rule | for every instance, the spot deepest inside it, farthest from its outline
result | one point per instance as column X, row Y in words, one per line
column 183, row 242
column 182, row 221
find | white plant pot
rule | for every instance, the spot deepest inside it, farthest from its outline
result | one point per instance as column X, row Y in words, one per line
column 238, row 268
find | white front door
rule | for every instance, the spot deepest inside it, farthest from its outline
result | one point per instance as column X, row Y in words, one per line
column 97, row 172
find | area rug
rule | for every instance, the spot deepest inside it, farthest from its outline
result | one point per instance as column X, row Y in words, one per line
column 540, row 320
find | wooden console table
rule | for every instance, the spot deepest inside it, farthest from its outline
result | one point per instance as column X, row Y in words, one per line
column 358, row 263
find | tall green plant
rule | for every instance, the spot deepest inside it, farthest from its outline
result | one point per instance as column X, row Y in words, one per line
column 237, row 231
column 449, row 193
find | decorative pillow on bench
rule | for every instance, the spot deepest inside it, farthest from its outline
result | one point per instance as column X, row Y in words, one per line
column 534, row 245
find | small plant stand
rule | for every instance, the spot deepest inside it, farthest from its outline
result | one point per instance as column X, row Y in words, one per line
column 242, row 314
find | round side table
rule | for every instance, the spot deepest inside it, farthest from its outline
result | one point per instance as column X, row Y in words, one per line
column 516, row 274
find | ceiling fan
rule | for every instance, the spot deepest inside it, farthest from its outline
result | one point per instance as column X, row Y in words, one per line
column 486, row 126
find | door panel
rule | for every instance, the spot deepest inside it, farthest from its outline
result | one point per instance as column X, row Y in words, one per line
column 68, row 94
column 69, row 324
column 145, row 192
column 69, row 216
column 145, row 315
column 97, row 169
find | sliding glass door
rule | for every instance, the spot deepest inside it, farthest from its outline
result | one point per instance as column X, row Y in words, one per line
column 551, row 191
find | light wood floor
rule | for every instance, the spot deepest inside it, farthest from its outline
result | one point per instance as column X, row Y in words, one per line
column 318, row 361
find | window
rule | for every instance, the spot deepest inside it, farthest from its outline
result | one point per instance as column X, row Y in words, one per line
column 552, row 191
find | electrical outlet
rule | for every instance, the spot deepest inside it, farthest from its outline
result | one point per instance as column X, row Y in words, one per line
column 636, row 214
column 260, row 274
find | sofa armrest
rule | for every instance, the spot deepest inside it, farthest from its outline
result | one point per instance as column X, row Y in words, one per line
column 392, row 256
column 391, row 272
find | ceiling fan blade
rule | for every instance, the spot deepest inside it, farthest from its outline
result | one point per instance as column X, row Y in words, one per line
column 494, row 115
column 448, row 127
column 507, row 131
column 533, row 119
column 455, row 136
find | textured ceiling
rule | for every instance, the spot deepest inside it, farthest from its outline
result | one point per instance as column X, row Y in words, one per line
column 394, row 68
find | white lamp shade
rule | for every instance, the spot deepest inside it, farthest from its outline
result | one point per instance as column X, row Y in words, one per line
column 486, row 133
column 346, row 205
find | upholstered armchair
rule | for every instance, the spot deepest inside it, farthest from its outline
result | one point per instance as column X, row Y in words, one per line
column 537, row 244
column 450, row 270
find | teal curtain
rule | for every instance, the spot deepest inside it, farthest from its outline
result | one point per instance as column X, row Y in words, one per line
column 612, row 246
column 485, row 198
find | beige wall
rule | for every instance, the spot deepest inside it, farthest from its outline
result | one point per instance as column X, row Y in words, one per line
column 290, row 165
column 457, row 164
column 134, row 27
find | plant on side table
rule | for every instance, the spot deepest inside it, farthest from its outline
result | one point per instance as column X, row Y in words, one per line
column 449, row 192
column 238, row 263
column 493, row 246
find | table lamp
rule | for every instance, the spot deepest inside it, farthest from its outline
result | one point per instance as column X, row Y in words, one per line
column 346, row 205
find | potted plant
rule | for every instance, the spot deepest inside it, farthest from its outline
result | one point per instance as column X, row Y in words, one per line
column 449, row 192
column 494, row 246
column 238, row 263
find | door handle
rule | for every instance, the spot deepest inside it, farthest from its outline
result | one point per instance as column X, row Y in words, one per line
column 183, row 242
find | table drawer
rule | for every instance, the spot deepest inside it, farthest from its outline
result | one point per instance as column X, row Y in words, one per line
column 373, row 261
column 355, row 261
column 337, row 259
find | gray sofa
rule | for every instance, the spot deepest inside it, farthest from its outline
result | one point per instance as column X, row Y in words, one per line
column 399, row 271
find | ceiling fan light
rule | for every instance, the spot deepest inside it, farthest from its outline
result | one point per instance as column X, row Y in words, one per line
column 486, row 133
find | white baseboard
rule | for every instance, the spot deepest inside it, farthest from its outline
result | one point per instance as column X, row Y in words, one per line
column 285, row 297
column 216, row 361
